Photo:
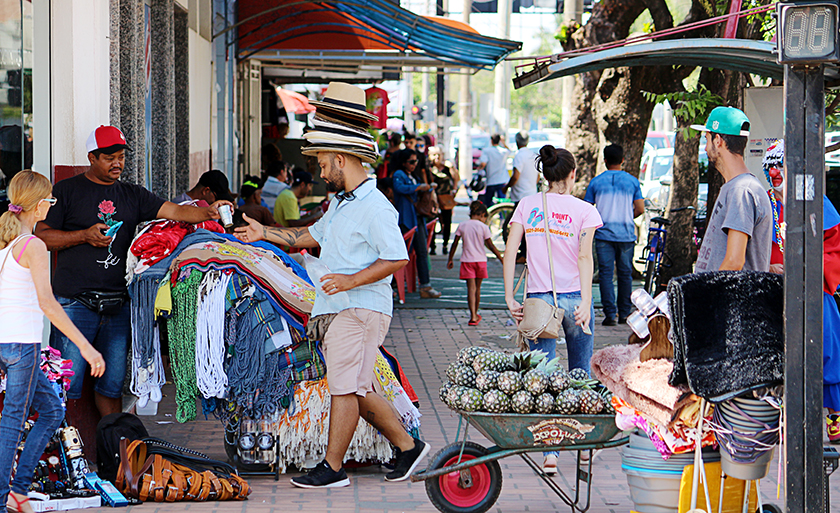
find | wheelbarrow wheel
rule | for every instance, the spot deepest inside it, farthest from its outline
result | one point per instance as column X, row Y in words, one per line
column 447, row 492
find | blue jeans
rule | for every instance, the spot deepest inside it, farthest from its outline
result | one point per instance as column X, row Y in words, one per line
column 578, row 343
column 26, row 387
column 422, row 251
column 619, row 255
column 109, row 334
column 490, row 192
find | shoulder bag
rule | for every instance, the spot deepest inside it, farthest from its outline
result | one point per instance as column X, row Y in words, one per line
column 541, row 319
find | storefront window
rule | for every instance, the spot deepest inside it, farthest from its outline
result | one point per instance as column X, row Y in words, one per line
column 15, row 87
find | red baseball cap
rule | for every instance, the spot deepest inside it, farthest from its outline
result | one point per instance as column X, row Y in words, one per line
column 106, row 136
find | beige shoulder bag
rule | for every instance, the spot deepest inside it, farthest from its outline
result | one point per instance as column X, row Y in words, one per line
column 541, row 320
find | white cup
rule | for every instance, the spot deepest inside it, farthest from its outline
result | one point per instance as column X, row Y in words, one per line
column 661, row 302
column 227, row 215
column 638, row 323
column 643, row 302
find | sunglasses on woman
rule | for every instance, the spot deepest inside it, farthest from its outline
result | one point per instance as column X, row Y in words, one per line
column 411, row 161
column 51, row 201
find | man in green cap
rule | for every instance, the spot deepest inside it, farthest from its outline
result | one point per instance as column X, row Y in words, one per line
column 739, row 229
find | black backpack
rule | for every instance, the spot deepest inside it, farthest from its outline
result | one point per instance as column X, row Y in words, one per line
column 109, row 431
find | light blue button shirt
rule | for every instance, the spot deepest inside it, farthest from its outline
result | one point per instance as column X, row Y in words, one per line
column 354, row 234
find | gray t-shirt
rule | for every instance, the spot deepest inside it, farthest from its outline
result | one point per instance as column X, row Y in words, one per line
column 742, row 205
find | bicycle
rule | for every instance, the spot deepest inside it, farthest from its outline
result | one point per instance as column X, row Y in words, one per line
column 653, row 255
column 497, row 217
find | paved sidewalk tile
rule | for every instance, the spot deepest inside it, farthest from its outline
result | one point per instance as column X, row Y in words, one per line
column 424, row 341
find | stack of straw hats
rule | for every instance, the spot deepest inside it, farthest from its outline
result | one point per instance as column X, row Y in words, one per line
column 341, row 124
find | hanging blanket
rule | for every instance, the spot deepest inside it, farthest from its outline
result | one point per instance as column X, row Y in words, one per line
column 728, row 332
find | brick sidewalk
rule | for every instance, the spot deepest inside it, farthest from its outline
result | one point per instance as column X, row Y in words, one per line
column 424, row 341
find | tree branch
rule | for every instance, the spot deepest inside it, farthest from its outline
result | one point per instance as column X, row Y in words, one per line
column 660, row 13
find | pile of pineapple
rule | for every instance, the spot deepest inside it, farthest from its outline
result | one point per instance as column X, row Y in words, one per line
column 485, row 380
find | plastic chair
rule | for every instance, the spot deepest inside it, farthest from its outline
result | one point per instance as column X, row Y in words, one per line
column 412, row 257
column 402, row 273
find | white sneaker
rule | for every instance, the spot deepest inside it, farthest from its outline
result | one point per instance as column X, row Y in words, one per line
column 550, row 465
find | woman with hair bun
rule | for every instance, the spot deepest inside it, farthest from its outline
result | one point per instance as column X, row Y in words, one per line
column 571, row 223
column 25, row 297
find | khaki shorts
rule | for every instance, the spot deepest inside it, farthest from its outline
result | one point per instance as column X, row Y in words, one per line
column 350, row 348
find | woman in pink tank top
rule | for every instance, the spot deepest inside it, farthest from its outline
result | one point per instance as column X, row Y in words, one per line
column 25, row 297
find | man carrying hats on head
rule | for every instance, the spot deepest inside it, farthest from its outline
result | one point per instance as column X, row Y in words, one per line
column 739, row 230
column 211, row 187
column 89, row 230
column 362, row 245
column 287, row 210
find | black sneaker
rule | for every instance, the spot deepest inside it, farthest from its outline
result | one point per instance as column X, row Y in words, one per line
column 622, row 320
column 407, row 461
column 609, row 321
column 322, row 476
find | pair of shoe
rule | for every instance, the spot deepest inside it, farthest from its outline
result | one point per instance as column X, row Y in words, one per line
column 832, row 422
column 609, row 321
column 550, row 465
column 475, row 322
column 429, row 293
column 433, row 253
column 323, row 476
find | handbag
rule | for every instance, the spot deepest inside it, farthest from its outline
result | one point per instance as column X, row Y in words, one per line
column 541, row 320
column 154, row 470
column 426, row 205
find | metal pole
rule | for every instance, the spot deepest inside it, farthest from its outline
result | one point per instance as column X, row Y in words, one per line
column 804, row 160
column 465, row 113
column 501, row 90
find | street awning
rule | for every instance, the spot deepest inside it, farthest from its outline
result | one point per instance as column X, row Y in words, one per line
column 360, row 36
column 746, row 55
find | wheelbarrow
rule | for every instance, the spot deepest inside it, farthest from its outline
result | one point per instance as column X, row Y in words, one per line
column 465, row 477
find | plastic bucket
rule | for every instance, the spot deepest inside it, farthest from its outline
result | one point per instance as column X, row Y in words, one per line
column 654, row 492
column 746, row 471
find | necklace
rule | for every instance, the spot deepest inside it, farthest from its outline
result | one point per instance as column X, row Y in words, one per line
column 776, row 224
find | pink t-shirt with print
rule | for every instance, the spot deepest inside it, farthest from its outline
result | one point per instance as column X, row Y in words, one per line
column 473, row 234
column 568, row 216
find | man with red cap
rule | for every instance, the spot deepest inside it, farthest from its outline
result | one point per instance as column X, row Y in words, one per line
column 90, row 232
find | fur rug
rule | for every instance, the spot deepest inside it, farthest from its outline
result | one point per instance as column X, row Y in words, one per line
column 642, row 384
column 728, row 332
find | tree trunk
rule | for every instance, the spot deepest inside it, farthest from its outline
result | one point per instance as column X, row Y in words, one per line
column 680, row 244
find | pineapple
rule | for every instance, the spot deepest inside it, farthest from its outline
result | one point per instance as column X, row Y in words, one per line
column 444, row 392
column 579, row 375
column 544, row 403
column 536, row 381
column 454, row 396
column 510, row 382
column 591, row 403
column 490, row 360
column 559, row 381
column 608, row 405
column 496, row 402
column 486, row 380
column 567, row 403
column 522, row 402
column 464, row 376
column 450, row 371
column 467, row 355
column 470, row 400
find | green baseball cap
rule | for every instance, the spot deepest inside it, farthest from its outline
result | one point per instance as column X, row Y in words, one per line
column 726, row 121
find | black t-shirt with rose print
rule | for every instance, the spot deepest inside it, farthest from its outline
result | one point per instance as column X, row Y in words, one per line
column 83, row 203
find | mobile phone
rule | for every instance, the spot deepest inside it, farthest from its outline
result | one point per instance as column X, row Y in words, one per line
column 112, row 230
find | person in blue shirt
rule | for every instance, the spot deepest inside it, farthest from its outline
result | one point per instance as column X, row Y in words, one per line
column 618, row 197
column 405, row 196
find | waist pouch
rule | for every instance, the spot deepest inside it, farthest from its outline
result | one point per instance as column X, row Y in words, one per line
column 104, row 303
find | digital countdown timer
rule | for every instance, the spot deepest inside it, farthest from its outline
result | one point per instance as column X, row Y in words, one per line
column 807, row 32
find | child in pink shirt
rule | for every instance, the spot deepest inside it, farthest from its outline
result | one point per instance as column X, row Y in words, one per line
column 476, row 237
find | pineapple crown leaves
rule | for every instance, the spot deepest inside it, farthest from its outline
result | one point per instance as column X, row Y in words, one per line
column 522, row 362
column 549, row 366
column 585, row 384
